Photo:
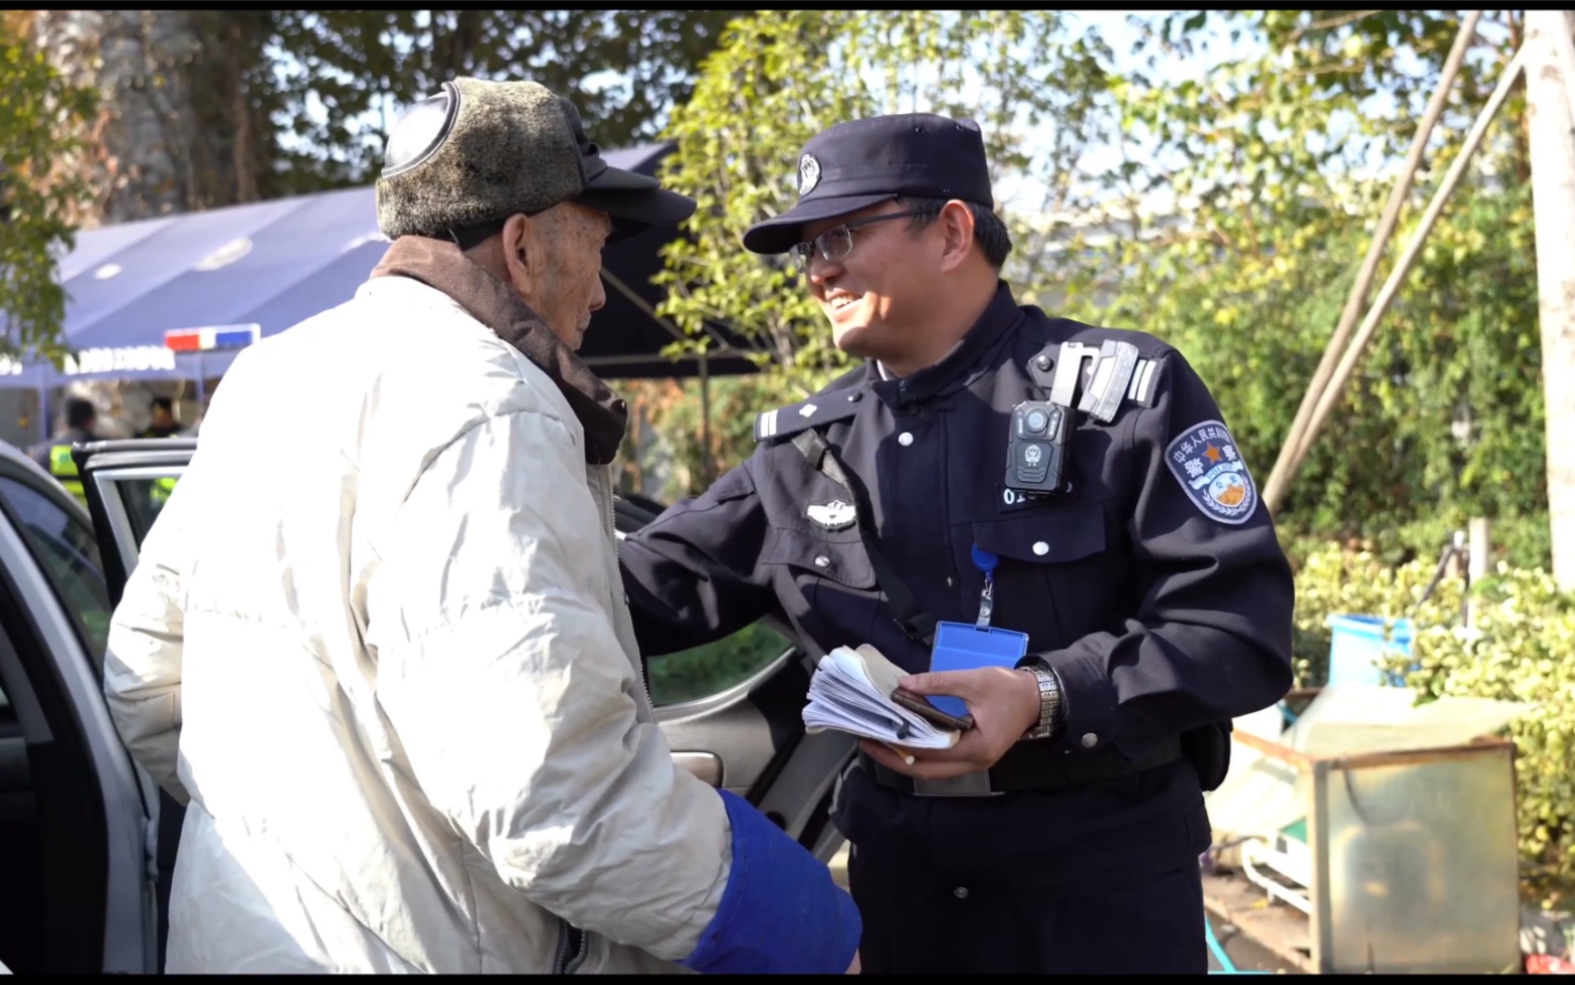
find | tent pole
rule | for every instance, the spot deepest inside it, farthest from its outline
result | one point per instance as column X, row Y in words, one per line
column 706, row 467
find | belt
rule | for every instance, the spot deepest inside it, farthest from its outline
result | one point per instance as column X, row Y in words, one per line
column 1026, row 767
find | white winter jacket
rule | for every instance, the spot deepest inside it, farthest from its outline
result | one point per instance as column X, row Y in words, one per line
column 378, row 638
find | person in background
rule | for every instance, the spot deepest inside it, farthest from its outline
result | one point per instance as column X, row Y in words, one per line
column 81, row 427
column 164, row 423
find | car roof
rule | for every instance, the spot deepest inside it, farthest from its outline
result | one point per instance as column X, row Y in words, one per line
column 15, row 454
column 23, row 460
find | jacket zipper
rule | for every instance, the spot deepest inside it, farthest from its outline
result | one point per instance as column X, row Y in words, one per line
column 570, row 955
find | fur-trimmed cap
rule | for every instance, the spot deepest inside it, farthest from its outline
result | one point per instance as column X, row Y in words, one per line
column 478, row 152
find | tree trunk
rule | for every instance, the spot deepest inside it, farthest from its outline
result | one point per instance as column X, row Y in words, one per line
column 137, row 59
column 178, row 131
column 1552, row 132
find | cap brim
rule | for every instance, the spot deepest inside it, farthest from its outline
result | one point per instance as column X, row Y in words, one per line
column 635, row 202
column 781, row 233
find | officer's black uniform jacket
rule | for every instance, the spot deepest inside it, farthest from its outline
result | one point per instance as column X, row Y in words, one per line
column 1157, row 615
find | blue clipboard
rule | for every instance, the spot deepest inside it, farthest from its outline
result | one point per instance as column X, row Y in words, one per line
column 964, row 646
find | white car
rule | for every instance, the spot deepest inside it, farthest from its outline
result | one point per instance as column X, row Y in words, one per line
column 88, row 842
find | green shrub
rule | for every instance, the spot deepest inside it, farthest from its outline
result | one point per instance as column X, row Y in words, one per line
column 1519, row 541
column 1333, row 581
column 1521, row 647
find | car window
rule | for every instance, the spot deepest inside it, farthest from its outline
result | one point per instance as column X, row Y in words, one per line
column 706, row 670
column 143, row 499
column 64, row 547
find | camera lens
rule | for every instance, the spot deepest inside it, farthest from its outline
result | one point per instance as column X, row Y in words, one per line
column 1037, row 420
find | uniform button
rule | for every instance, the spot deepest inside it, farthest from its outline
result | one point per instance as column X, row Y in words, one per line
column 1090, row 740
column 950, row 581
column 905, row 439
column 961, row 892
column 822, row 561
column 1041, row 548
column 853, row 397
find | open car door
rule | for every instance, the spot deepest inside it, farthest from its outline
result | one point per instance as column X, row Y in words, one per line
column 731, row 711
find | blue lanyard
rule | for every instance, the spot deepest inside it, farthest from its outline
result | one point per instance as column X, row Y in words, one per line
column 986, row 563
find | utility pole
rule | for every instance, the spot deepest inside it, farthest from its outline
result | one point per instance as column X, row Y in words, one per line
column 1550, row 105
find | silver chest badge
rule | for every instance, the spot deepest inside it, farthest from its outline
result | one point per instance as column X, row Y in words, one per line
column 835, row 515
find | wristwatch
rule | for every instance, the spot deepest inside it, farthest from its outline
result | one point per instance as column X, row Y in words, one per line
column 1049, row 701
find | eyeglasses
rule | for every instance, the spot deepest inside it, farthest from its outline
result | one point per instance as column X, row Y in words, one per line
column 836, row 243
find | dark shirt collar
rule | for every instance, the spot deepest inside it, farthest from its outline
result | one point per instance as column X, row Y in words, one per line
column 952, row 371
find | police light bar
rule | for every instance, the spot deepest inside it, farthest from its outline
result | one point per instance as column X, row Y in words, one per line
column 216, row 337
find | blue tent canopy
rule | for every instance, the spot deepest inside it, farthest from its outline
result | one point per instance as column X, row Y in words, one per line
column 273, row 264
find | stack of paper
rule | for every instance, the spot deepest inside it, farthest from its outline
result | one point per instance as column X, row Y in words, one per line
column 851, row 692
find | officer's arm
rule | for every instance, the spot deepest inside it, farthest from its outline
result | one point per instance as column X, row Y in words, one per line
column 691, row 574
column 1211, row 635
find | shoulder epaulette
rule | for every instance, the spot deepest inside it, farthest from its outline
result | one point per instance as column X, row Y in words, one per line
column 784, row 422
column 1141, row 392
column 1105, row 375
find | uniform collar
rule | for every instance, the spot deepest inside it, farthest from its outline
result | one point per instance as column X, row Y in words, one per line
column 932, row 381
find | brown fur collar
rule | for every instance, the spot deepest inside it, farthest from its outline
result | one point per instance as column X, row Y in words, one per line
column 440, row 264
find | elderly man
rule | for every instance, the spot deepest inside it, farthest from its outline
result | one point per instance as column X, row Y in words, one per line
column 401, row 691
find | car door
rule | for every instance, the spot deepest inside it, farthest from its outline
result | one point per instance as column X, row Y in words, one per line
column 732, row 711
column 74, row 809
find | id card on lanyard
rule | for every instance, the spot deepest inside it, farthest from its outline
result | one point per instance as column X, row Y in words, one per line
column 961, row 646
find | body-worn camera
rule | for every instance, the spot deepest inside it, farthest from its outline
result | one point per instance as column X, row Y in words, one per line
column 1036, row 451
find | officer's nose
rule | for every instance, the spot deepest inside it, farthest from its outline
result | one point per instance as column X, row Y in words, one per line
column 822, row 271
column 599, row 296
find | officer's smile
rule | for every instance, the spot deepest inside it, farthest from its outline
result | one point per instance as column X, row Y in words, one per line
column 841, row 303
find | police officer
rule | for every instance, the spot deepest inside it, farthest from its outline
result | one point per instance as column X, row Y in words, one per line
column 81, row 419
column 1126, row 554
column 163, row 423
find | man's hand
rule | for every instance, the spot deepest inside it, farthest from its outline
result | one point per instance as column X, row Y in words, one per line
column 853, row 969
column 1004, row 704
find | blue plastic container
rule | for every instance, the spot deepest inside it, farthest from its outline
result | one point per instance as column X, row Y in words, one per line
column 1358, row 642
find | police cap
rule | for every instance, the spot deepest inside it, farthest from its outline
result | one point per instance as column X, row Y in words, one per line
column 855, row 165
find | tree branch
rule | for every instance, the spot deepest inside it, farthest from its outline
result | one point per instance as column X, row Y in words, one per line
column 1331, row 23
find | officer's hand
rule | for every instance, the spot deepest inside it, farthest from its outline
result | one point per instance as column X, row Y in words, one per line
column 853, row 969
column 1004, row 704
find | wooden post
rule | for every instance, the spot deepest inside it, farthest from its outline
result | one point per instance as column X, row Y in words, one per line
column 1281, row 476
column 1551, row 128
column 707, row 464
column 1386, row 294
column 1479, row 560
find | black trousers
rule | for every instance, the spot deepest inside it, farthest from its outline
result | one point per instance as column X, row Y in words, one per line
column 958, row 886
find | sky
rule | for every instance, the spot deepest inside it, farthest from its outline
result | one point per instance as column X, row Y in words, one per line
column 1121, row 35
column 1113, row 25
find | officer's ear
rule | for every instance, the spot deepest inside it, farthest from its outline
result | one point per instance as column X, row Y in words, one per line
column 956, row 224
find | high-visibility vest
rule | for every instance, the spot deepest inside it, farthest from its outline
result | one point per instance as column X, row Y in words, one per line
column 64, row 468
column 162, row 488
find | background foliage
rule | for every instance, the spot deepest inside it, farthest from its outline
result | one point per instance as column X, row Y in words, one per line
column 1231, row 224
column 40, row 113
column 1271, row 159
